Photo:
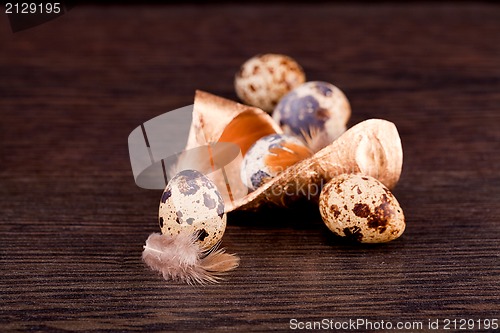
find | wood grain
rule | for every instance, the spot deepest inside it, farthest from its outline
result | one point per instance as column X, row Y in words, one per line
column 73, row 222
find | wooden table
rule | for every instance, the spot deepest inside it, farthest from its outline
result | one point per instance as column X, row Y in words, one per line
column 73, row 222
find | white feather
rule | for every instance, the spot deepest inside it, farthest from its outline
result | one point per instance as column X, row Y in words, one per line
column 180, row 258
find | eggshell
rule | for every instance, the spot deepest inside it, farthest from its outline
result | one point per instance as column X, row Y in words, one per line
column 256, row 167
column 264, row 79
column 192, row 202
column 362, row 209
column 314, row 110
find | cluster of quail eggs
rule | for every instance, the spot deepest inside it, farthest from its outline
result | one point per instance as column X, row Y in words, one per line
column 312, row 115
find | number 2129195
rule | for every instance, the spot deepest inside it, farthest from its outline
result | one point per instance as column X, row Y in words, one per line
column 32, row 8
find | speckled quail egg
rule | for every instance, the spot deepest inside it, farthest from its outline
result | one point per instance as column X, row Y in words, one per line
column 362, row 209
column 264, row 79
column 191, row 202
column 316, row 111
column 269, row 156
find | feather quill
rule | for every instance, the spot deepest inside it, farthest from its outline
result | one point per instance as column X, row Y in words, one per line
column 181, row 258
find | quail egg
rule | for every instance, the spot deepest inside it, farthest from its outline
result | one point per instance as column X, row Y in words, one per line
column 264, row 79
column 269, row 156
column 315, row 111
column 191, row 202
column 362, row 209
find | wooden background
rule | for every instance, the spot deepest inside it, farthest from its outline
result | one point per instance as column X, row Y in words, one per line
column 73, row 222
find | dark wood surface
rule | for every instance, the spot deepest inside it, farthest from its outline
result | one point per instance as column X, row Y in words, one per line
column 73, row 222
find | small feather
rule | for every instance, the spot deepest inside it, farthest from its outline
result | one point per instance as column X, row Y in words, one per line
column 315, row 139
column 283, row 157
column 181, row 258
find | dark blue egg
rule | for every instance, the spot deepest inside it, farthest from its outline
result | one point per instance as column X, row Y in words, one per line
column 316, row 112
column 301, row 114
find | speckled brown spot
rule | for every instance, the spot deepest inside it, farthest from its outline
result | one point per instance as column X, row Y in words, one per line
column 256, row 70
column 338, row 189
column 334, row 209
column 252, row 87
column 353, row 234
column 322, row 114
column 381, row 217
column 323, row 210
column 389, row 194
column 359, row 191
column 364, row 178
column 361, row 210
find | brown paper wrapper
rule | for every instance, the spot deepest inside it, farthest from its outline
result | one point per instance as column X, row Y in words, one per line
column 372, row 147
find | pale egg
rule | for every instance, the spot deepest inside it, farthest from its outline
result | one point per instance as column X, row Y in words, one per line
column 191, row 202
column 264, row 79
column 362, row 209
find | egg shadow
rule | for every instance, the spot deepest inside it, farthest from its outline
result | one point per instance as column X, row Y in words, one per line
column 302, row 215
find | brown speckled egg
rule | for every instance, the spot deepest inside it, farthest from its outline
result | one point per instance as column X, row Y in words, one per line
column 191, row 202
column 362, row 209
column 264, row 79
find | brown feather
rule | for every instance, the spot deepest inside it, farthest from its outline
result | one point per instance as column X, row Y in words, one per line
column 245, row 129
column 282, row 158
column 180, row 258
